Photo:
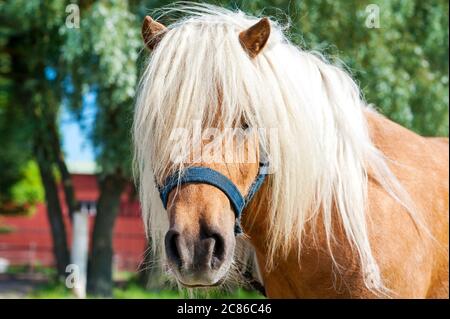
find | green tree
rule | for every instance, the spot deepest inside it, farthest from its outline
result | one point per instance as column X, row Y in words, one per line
column 103, row 55
column 30, row 44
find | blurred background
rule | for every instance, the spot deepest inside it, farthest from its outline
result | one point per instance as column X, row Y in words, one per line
column 69, row 214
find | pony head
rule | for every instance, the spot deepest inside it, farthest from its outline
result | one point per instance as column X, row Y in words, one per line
column 200, row 239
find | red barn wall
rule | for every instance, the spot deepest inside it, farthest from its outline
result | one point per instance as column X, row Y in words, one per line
column 30, row 242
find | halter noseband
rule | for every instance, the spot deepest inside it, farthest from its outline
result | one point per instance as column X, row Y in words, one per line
column 205, row 175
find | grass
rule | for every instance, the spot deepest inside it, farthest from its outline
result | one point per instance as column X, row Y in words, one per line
column 36, row 269
column 129, row 288
column 134, row 291
column 51, row 291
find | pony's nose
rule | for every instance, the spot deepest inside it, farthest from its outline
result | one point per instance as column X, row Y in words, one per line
column 205, row 253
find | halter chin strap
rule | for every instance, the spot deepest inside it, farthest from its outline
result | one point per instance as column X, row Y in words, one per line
column 205, row 175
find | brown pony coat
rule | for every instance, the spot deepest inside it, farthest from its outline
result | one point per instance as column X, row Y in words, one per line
column 412, row 265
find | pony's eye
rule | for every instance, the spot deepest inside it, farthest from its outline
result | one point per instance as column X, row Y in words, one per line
column 244, row 125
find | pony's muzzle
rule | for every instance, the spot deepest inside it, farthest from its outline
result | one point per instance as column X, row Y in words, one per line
column 197, row 260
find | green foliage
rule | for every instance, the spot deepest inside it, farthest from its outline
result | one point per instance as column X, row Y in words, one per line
column 14, row 153
column 28, row 100
column 37, row 268
column 102, row 55
column 29, row 188
column 6, row 229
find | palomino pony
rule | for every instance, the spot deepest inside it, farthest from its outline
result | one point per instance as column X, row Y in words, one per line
column 346, row 204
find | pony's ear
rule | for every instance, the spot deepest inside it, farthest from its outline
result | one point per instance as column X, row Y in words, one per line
column 255, row 38
column 152, row 32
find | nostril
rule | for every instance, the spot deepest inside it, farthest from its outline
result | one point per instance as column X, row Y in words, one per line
column 219, row 247
column 218, row 253
column 172, row 246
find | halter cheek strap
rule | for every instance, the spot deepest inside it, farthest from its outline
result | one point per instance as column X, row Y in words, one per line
column 205, row 175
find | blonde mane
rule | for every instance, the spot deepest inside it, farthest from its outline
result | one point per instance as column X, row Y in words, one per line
column 324, row 153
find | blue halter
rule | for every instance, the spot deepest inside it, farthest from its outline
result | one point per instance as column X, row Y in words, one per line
column 205, row 175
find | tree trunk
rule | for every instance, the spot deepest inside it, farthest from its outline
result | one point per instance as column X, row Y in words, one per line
column 66, row 177
column 55, row 217
column 100, row 264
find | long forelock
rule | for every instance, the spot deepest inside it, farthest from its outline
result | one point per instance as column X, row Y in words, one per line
column 323, row 151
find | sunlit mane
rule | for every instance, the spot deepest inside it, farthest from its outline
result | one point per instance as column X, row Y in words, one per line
column 324, row 152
